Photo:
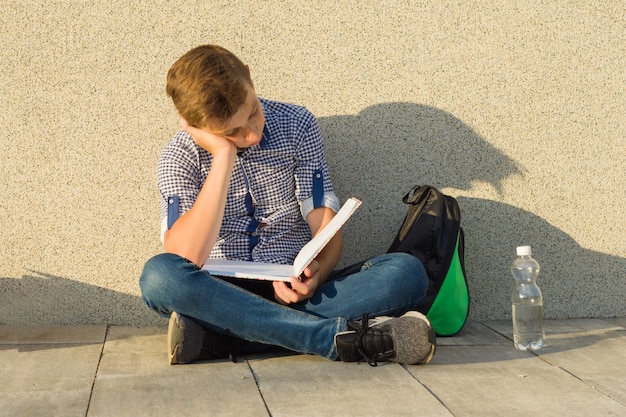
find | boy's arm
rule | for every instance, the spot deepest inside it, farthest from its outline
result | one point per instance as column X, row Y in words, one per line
column 321, row 267
column 329, row 256
column 194, row 234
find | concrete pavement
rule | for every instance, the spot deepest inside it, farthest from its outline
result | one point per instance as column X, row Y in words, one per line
column 122, row 371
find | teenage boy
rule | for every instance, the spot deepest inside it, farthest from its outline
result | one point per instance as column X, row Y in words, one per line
column 245, row 178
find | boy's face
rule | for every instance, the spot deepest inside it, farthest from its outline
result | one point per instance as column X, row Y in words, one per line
column 245, row 127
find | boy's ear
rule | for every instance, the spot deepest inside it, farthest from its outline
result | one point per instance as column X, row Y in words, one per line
column 248, row 68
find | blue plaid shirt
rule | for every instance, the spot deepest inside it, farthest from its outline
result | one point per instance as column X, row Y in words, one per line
column 271, row 190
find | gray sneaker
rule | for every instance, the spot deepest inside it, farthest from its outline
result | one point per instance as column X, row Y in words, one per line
column 409, row 340
column 188, row 341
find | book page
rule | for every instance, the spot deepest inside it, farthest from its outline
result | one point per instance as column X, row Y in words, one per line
column 248, row 269
column 315, row 245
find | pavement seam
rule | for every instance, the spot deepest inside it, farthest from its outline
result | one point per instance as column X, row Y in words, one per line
column 427, row 389
column 584, row 381
column 95, row 376
column 258, row 387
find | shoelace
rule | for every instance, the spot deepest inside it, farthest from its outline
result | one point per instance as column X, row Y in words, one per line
column 371, row 359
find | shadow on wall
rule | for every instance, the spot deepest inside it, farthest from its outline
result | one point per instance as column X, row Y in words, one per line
column 576, row 282
column 404, row 142
column 379, row 154
column 40, row 298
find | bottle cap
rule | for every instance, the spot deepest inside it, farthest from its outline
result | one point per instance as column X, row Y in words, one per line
column 524, row 251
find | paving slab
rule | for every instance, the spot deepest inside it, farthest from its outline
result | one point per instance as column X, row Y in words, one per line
column 597, row 364
column 309, row 386
column 501, row 381
column 52, row 334
column 473, row 334
column 493, row 378
column 620, row 321
column 123, row 371
column 134, row 379
column 48, row 370
column 591, row 349
column 556, row 328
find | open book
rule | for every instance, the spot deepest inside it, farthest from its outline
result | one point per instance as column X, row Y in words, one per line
column 277, row 272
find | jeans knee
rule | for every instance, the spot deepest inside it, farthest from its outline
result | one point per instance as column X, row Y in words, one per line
column 412, row 269
column 157, row 274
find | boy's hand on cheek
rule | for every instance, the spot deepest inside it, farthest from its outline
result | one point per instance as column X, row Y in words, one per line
column 211, row 143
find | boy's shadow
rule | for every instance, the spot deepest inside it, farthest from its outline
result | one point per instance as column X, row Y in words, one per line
column 379, row 154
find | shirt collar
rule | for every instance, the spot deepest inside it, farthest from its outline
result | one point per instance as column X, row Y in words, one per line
column 265, row 138
column 266, row 132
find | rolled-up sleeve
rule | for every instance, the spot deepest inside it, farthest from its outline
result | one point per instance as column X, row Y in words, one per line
column 329, row 200
column 310, row 165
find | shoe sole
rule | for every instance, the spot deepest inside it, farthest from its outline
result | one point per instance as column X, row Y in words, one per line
column 172, row 346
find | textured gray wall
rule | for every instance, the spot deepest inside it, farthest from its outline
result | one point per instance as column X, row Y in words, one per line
column 518, row 110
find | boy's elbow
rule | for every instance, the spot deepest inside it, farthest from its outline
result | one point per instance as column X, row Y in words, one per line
column 184, row 251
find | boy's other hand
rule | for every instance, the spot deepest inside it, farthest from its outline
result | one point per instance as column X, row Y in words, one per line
column 298, row 290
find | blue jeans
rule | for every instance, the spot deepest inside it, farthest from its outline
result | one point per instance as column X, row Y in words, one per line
column 390, row 284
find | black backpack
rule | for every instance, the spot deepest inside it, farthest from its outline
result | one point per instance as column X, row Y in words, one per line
column 432, row 232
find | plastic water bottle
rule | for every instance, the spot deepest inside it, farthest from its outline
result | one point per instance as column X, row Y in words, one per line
column 527, row 302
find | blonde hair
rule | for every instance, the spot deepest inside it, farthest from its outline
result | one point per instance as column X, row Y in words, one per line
column 208, row 85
